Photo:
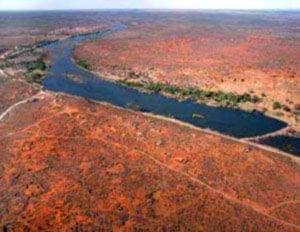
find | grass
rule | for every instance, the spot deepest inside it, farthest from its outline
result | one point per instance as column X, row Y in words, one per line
column 195, row 94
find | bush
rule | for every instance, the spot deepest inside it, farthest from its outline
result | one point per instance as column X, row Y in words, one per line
column 191, row 92
column 34, row 77
column 36, row 65
column 244, row 98
column 255, row 99
column 133, row 75
column 225, row 99
column 276, row 105
column 220, row 97
column 170, row 89
column 83, row 64
column 286, row 108
column 131, row 84
column 155, row 87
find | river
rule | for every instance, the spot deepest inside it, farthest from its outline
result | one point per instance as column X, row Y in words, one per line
column 232, row 122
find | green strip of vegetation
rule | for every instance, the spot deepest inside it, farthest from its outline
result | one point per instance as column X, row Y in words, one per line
column 36, row 65
column 222, row 98
column 35, row 71
column 82, row 63
column 278, row 106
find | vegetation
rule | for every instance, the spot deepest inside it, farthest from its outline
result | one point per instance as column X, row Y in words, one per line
column 34, row 77
column 29, row 60
column 35, row 71
column 36, row 65
column 276, row 105
column 225, row 99
column 286, row 108
column 5, row 64
column 83, row 64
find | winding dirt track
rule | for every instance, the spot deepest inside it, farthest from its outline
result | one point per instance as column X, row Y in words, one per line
column 11, row 108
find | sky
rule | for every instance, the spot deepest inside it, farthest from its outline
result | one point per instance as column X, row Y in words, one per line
column 148, row 4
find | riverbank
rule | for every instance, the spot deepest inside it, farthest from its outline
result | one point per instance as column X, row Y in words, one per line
column 245, row 102
column 185, row 54
column 204, row 119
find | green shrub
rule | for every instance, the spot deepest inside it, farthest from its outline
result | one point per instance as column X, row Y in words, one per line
column 36, row 65
column 130, row 84
column 220, row 97
column 255, row 99
column 225, row 99
column 34, row 77
column 276, row 105
column 155, row 87
column 207, row 94
column 244, row 98
column 170, row 89
column 83, row 64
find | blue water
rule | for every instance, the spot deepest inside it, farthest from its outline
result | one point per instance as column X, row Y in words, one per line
column 228, row 121
column 285, row 143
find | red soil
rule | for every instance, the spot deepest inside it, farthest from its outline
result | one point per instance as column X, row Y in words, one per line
column 14, row 91
column 237, row 58
column 69, row 164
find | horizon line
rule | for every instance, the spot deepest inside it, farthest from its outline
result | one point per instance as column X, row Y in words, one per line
column 157, row 9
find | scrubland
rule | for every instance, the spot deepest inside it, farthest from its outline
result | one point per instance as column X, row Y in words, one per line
column 239, row 53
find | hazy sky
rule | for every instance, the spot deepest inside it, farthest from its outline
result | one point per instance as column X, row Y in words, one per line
column 119, row 4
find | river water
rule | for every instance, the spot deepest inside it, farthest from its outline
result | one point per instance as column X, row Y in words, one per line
column 232, row 122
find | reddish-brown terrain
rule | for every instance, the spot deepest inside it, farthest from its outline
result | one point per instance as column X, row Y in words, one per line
column 21, row 28
column 71, row 164
column 240, row 53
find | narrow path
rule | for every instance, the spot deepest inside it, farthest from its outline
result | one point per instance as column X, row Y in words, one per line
column 12, row 107
column 32, row 125
column 225, row 195
column 282, row 204
column 2, row 73
column 259, row 210
column 275, row 133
